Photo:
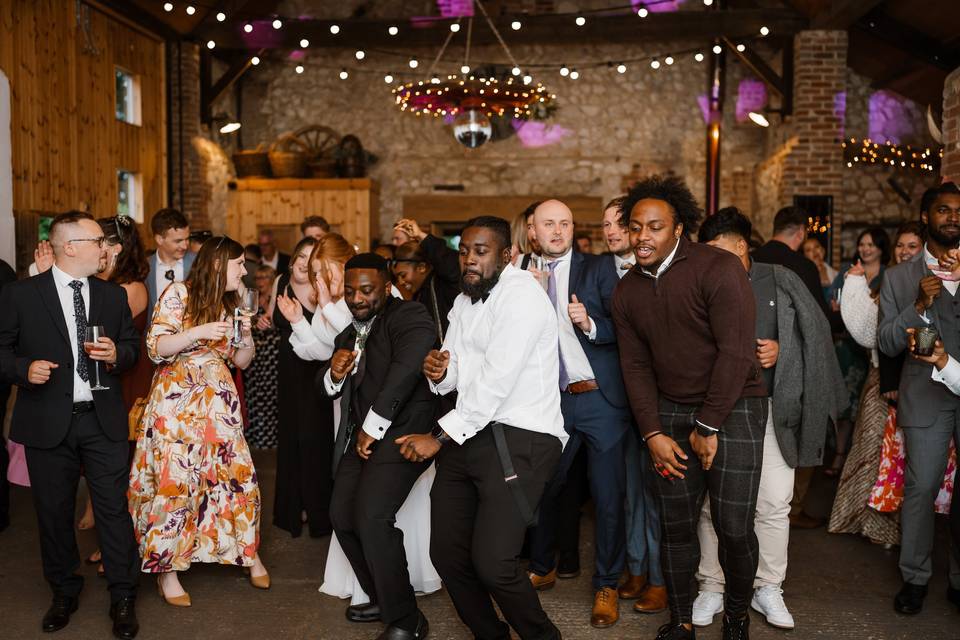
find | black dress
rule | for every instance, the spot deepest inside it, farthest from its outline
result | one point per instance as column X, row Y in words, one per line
column 305, row 443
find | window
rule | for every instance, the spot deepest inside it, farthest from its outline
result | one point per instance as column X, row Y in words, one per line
column 129, row 191
column 128, row 97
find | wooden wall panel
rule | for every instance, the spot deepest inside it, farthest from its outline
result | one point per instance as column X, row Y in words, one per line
column 348, row 205
column 67, row 143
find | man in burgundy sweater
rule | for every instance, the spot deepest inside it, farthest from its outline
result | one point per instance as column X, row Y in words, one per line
column 685, row 318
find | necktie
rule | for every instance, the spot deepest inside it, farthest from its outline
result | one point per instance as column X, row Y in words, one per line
column 552, row 294
column 80, row 314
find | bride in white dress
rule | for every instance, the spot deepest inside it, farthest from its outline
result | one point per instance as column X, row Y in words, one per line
column 314, row 341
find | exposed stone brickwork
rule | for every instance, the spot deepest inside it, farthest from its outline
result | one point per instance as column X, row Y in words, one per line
column 951, row 127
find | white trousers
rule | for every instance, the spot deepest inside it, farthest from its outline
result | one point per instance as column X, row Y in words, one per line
column 772, row 522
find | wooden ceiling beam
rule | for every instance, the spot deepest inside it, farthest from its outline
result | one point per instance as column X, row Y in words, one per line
column 908, row 40
column 844, row 13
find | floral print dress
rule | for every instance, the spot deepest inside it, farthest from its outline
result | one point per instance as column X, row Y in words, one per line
column 193, row 488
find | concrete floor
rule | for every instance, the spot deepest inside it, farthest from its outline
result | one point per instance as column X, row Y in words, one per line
column 839, row 586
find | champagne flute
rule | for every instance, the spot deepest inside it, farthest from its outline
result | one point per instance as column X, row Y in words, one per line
column 249, row 303
column 90, row 340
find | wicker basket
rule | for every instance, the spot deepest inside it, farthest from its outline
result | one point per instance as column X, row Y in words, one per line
column 323, row 168
column 288, row 157
column 252, row 164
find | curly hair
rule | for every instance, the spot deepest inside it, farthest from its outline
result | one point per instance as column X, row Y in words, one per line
column 671, row 190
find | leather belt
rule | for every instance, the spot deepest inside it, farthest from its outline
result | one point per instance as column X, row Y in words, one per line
column 82, row 407
column 582, row 387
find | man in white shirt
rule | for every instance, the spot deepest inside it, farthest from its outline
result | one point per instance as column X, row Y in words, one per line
column 499, row 447
column 172, row 261
column 593, row 403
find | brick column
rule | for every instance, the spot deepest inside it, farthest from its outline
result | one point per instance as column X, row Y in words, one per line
column 950, row 169
column 814, row 165
column 189, row 192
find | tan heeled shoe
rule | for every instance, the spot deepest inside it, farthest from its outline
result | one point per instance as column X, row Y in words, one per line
column 176, row 601
column 260, row 582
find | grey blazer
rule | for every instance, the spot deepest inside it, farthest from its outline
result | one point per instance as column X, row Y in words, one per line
column 920, row 398
column 151, row 282
column 808, row 389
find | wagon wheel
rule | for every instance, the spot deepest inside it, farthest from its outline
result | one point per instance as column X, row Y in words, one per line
column 289, row 142
column 320, row 141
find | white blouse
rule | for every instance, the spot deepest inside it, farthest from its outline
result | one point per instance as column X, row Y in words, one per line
column 860, row 314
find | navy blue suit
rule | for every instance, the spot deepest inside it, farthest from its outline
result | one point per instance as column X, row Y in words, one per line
column 600, row 420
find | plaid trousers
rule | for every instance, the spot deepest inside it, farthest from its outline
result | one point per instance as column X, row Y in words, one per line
column 732, row 484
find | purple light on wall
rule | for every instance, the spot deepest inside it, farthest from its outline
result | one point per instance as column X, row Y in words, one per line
column 840, row 112
column 538, row 134
column 751, row 96
column 263, row 35
column 297, row 55
column 657, row 6
column 704, row 103
column 455, row 8
column 889, row 118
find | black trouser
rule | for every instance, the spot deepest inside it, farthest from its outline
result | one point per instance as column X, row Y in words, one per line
column 477, row 531
column 54, row 476
column 731, row 484
column 4, row 460
column 575, row 492
column 366, row 498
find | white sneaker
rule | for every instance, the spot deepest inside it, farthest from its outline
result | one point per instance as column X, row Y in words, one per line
column 706, row 606
column 769, row 602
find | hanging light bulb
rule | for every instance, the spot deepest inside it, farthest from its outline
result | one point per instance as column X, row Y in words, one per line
column 277, row 23
column 211, row 44
column 454, row 27
column 435, row 80
column 574, row 74
column 698, row 57
column 527, row 79
column 717, row 49
column 707, row 3
column 248, row 27
column 741, row 48
column 413, row 63
column 388, row 78
column 255, row 60
column 393, row 31
column 668, row 60
column 360, row 55
column 304, row 43
column 764, row 31
column 343, row 74
column 334, row 29
column 298, row 68
column 654, row 64
column 190, row 10
column 515, row 71
column 642, row 12
column 621, row 68
column 168, row 6
column 580, row 21
column 221, row 16
column 515, row 25
column 465, row 69
column 564, row 71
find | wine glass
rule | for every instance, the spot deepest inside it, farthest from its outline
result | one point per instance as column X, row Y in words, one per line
column 89, row 341
column 249, row 303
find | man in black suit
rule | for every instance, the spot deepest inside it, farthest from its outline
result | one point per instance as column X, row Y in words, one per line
column 270, row 256
column 63, row 423
column 7, row 275
column 376, row 369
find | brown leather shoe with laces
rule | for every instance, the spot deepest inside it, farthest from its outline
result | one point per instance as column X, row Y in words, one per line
column 652, row 600
column 632, row 587
column 542, row 583
column 606, row 608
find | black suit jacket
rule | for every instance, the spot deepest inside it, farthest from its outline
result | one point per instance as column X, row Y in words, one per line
column 776, row 252
column 32, row 327
column 389, row 379
column 283, row 263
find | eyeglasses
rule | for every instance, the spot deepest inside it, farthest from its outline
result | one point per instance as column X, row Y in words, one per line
column 99, row 240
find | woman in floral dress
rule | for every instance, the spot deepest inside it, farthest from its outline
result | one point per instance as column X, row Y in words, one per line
column 193, row 488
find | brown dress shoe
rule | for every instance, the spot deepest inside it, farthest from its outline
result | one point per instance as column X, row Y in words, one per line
column 606, row 608
column 542, row 583
column 632, row 587
column 652, row 600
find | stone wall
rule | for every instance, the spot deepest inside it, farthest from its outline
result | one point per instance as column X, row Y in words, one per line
column 951, row 127
column 606, row 122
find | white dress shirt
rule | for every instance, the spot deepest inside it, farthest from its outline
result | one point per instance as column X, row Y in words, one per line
column 374, row 424
column 503, row 360
column 666, row 262
column 314, row 340
column 574, row 359
column 161, row 275
column 949, row 376
column 272, row 262
column 620, row 263
column 81, row 388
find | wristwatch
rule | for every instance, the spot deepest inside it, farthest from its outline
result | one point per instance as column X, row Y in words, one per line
column 705, row 431
column 440, row 435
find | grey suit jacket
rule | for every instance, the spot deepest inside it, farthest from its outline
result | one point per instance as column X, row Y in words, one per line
column 920, row 399
column 808, row 389
column 151, row 282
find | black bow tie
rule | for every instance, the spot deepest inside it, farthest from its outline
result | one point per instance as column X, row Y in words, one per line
column 476, row 299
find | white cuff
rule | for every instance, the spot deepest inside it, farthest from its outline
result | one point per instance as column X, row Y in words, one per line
column 923, row 316
column 301, row 328
column 592, row 334
column 332, row 388
column 456, row 427
column 375, row 426
column 706, row 426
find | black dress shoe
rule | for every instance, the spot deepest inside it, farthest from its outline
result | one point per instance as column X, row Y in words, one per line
column 124, row 615
column 736, row 629
column 58, row 615
column 671, row 631
column 568, row 565
column 953, row 595
column 396, row 633
column 910, row 599
column 369, row 612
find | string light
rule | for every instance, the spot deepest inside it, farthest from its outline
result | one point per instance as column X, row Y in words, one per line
column 564, row 71
column 393, row 30
column 527, row 79
column 515, row 71
column 515, row 25
column 764, row 31
column 190, row 10
column 334, row 29
column 580, row 21
column 255, row 60
column 741, row 48
column 465, row 69
column 304, row 43
column 211, row 44
column 654, row 64
column 900, row 157
column 413, row 63
column 717, row 49
column 248, row 27
column 388, row 79
column 277, row 23
column 642, row 12
column 360, row 55
column 343, row 74
column 574, row 74
column 298, row 68
column 621, row 68
column 455, row 27
column 221, row 16
column 668, row 60
column 698, row 57
column 707, row 3
column 168, row 6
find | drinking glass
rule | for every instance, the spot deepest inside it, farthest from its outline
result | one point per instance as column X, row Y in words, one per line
column 89, row 340
column 249, row 303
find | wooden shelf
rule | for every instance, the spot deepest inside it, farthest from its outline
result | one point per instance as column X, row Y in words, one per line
column 303, row 184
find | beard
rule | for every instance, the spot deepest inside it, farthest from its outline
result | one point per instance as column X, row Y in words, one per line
column 482, row 287
column 942, row 238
